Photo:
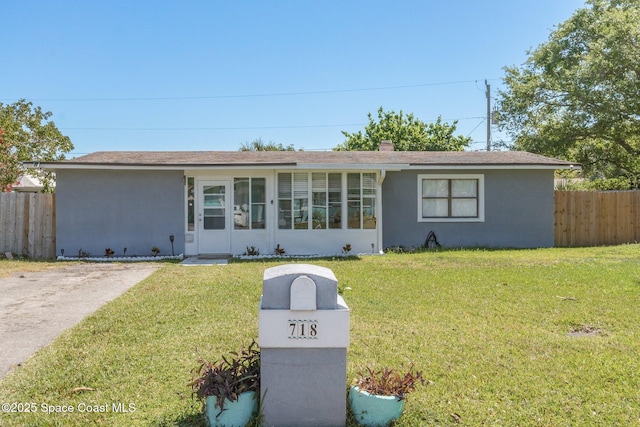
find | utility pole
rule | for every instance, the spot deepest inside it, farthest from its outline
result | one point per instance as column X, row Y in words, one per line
column 488, row 93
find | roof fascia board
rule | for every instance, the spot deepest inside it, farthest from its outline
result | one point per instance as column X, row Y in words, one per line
column 103, row 166
column 78, row 166
column 353, row 166
column 305, row 166
column 523, row 167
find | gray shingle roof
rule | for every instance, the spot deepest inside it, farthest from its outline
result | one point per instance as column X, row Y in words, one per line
column 188, row 159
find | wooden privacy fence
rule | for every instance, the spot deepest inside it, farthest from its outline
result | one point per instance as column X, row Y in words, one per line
column 27, row 224
column 594, row 218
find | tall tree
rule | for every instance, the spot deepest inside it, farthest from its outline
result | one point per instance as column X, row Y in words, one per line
column 260, row 145
column 28, row 135
column 407, row 133
column 577, row 96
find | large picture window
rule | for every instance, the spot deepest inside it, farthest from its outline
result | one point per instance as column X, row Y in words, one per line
column 317, row 200
column 450, row 198
column 249, row 203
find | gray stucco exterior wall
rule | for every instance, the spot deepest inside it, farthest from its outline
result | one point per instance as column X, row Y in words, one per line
column 99, row 209
column 518, row 211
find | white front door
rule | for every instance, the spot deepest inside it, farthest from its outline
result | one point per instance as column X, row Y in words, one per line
column 214, row 217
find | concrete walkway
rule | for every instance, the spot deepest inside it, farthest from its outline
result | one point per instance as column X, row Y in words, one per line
column 37, row 307
column 191, row 261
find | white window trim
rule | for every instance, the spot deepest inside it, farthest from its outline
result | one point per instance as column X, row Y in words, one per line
column 250, row 204
column 479, row 177
column 344, row 199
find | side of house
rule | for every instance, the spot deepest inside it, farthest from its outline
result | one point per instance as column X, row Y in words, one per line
column 305, row 212
column 117, row 209
column 505, row 208
column 306, row 203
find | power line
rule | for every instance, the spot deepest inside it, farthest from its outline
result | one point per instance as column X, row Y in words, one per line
column 477, row 126
column 143, row 129
column 472, row 143
column 214, row 128
column 254, row 95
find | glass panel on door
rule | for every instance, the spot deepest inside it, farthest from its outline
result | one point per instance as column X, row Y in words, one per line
column 214, row 212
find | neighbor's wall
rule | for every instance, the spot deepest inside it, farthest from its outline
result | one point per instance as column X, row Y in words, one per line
column 113, row 209
column 518, row 211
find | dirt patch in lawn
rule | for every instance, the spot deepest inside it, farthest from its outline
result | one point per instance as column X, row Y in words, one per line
column 585, row 331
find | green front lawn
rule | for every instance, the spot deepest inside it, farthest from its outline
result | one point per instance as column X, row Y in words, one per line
column 543, row 337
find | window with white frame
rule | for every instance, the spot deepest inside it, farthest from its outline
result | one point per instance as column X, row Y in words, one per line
column 361, row 200
column 293, row 200
column 451, row 198
column 316, row 200
column 249, row 203
column 326, row 195
column 191, row 221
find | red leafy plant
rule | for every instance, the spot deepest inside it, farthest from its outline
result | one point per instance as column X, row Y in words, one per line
column 227, row 378
column 388, row 382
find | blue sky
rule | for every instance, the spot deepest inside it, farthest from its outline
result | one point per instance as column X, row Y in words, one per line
column 211, row 75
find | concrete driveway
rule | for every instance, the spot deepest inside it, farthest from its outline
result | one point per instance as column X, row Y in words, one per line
column 37, row 307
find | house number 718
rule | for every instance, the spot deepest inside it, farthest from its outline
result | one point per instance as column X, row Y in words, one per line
column 303, row 329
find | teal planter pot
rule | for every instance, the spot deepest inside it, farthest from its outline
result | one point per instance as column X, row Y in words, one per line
column 235, row 414
column 372, row 410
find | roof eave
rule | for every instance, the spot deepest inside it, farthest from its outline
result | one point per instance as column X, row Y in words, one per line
column 142, row 166
column 495, row 166
column 227, row 166
column 303, row 166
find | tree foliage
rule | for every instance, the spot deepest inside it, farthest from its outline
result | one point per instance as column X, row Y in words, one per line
column 577, row 96
column 260, row 145
column 407, row 133
column 28, row 135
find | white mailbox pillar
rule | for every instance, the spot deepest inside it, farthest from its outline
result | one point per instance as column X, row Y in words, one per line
column 303, row 337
